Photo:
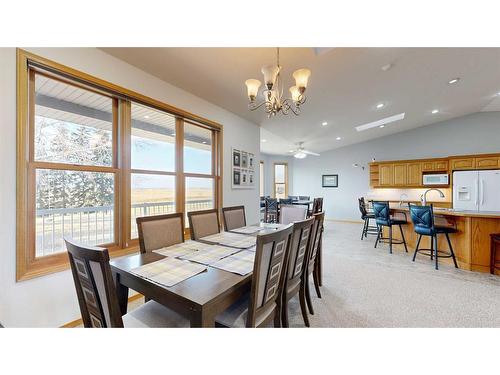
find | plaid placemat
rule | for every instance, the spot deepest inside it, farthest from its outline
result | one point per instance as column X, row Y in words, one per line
column 210, row 256
column 238, row 240
column 183, row 248
column 240, row 263
column 168, row 271
column 250, row 229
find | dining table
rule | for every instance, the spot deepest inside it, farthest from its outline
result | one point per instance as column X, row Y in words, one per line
column 199, row 298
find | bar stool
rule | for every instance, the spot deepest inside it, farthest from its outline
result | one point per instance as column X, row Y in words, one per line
column 383, row 218
column 423, row 222
column 366, row 217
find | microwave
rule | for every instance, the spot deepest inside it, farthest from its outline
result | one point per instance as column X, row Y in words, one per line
column 436, row 179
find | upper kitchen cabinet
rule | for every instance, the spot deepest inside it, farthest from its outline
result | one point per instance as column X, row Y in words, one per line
column 435, row 166
column 400, row 171
column 386, row 175
column 488, row 162
column 462, row 164
column 414, row 174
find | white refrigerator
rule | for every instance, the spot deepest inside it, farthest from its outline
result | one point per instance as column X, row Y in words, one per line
column 476, row 190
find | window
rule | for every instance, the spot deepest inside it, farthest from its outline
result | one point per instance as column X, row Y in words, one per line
column 280, row 180
column 92, row 157
column 261, row 179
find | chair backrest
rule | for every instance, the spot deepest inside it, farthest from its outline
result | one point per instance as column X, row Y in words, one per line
column 316, row 239
column 234, row 217
column 290, row 213
column 156, row 232
column 382, row 213
column 422, row 217
column 94, row 286
column 362, row 207
column 203, row 223
column 317, row 205
column 271, row 210
column 271, row 204
column 304, row 197
column 300, row 243
column 293, row 197
column 271, row 255
column 285, row 201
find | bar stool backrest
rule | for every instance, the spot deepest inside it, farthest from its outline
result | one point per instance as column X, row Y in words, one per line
column 382, row 213
column 362, row 207
column 422, row 217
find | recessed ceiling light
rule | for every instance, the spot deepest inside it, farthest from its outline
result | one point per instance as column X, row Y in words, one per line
column 338, row 138
column 454, row 80
column 381, row 122
column 434, row 111
column 146, row 116
column 386, row 67
column 324, row 123
column 382, row 126
column 498, row 93
column 380, row 105
column 264, row 140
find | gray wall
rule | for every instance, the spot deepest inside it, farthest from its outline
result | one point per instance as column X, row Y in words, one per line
column 471, row 134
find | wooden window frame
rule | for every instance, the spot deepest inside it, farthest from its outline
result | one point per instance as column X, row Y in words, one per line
column 274, row 178
column 262, row 178
column 27, row 265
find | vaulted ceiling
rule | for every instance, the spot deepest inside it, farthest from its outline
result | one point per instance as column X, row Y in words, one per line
column 344, row 89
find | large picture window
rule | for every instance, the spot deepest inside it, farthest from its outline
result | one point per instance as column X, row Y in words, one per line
column 92, row 157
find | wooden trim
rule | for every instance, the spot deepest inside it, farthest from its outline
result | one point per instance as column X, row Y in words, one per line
column 78, row 322
column 148, row 171
column 72, row 167
column 80, row 76
column 180, row 193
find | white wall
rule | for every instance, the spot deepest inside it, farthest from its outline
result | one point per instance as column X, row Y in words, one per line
column 471, row 134
column 50, row 301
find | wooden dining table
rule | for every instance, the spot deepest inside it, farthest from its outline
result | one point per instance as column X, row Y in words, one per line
column 199, row 298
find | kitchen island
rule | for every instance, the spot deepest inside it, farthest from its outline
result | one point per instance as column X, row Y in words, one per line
column 471, row 243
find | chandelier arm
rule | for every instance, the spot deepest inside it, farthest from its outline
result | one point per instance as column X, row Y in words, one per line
column 252, row 106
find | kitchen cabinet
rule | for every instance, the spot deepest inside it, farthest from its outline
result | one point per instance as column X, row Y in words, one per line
column 487, row 162
column 386, row 174
column 400, row 174
column 435, row 165
column 414, row 174
column 463, row 164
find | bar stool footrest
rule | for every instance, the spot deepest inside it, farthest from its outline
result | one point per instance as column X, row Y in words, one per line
column 427, row 252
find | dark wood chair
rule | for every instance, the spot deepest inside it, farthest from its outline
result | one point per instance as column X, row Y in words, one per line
column 156, row 232
column 234, row 217
column 495, row 249
column 297, row 260
column 263, row 304
column 366, row 217
column 312, row 265
column 203, row 223
column 317, row 206
column 271, row 210
column 97, row 297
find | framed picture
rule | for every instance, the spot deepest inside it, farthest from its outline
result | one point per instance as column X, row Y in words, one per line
column 244, row 178
column 250, row 161
column 236, row 158
column 244, row 160
column 330, row 180
column 250, row 179
column 236, row 177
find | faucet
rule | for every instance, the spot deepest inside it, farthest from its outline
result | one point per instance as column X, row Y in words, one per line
column 423, row 197
column 401, row 198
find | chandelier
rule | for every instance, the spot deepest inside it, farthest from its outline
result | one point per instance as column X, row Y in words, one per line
column 274, row 102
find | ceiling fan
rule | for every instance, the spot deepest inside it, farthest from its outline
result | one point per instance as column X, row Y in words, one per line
column 300, row 152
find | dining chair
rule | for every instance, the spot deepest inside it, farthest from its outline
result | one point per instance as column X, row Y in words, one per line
column 234, row 217
column 156, row 232
column 293, row 197
column 312, row 264
column 203, row 223
column 304, row 197
column 285, row 201
column 290, row 213
column 366, row 217
column 317, row 206
column 97, row 296
column 271, row 210
column 297, row 261
column 262, row 305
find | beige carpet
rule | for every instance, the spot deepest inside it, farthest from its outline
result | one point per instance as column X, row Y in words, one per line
column 367, row 287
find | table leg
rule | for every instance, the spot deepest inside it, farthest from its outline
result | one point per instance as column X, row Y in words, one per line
column 201, row 319
column 122, row 294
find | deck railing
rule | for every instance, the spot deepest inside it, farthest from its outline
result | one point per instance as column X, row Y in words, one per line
column 94, row 225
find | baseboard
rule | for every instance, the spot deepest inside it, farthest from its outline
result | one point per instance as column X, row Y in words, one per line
column 345, row 221
column 78, row 322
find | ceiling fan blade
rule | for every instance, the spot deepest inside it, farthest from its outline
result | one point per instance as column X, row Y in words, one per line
column 310, row 153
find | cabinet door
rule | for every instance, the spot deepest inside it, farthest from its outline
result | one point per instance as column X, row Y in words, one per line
column 463, row 164
column 428, row 166
column 400, row 174
column 485, row 163
column 414, row 177
column 441, row 165
column 386, row 174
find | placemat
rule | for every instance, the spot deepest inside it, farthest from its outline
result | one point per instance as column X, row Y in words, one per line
column 210, row 256
column 183, row 248
column 240, row 241
column 168, row 271
column 250, row 229
column 240, row 263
